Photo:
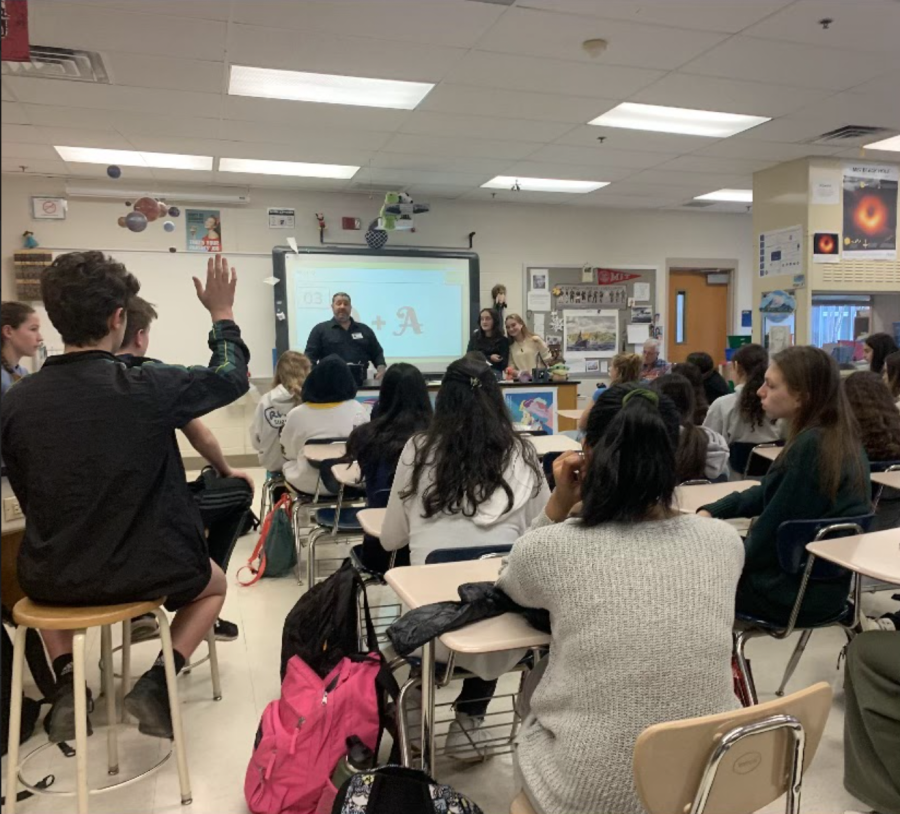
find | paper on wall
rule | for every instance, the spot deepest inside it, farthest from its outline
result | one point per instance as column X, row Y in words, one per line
column 642, row 292
column 604, row 366
column 824, row 185
column 576, row 365
column 539, row 324
column 539, row 300
column 638, row 333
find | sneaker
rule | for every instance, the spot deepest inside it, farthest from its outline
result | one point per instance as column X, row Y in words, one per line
column 144, row 627
column 889, row 621
column 148, row 701
column 466, row 738
column 59, row 723
column 225, row 631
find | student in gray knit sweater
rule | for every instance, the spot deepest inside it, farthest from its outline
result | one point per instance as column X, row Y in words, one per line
column 641, row 601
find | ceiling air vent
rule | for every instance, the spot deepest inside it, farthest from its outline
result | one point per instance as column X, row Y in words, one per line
column 849, row 135
column 60, row 63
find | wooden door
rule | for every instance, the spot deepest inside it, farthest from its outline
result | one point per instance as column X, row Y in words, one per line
column 698, row 317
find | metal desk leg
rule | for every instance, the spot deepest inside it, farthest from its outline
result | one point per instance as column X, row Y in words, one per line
column 428, row 693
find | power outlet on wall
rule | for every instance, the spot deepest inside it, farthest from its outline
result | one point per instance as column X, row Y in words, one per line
column 11, row 509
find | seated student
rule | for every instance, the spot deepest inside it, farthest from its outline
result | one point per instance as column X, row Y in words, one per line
column 891, row 375
column 402, row 410
column 693, row 375
column 135, row 344
column 468, row 480
column 714, row 384
column 876, row 348
column 739, row 416
column 20, row 335
column 273, row 408
column 623, row 368
column 329, row 410
column 822, row 473
column 701, row 452
column 614, row 657
column 489, row 339
column 92, row 457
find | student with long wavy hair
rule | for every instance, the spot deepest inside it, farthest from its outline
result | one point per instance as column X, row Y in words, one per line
column 526, row 349
column 701, row 453
column 468, row 480
column 876, row 414
column 822, row 473
column 891, row 375
column 876, row 348
column 403, row 409
column 586, row 567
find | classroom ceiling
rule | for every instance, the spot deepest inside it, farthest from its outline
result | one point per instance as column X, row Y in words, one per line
column 514, row 90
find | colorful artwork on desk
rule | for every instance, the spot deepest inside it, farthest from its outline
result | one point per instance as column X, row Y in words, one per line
column 533, row 408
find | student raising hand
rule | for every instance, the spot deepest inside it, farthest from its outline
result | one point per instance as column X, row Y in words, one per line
column 218, row 295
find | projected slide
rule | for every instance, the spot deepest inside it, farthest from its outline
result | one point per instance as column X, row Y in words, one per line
column 418, row 307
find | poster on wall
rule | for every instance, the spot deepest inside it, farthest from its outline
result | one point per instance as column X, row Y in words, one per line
column 826, row 247
column 590, row 296
column 781, row 251
column 204, row 230
column 870, row 211
column 14, row 31
column 533, row 408
column 592, row 334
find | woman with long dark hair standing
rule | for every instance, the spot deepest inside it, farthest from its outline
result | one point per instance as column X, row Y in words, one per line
column 822, row 473
column 489, row 339
column 403, row 409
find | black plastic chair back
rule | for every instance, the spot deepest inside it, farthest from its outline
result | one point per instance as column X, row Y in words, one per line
column 793, row 536
column 331, row 483
column 445, row 555
column 378, row 499
column 741, row 452
column 882, row 466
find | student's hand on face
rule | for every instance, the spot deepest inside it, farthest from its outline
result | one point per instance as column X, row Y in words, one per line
column 218, row 295
column 568, row 473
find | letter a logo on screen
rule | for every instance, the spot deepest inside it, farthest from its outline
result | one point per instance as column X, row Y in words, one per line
column 408, row 315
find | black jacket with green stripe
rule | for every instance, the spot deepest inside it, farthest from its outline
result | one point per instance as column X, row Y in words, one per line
column 90, row 448
column 791, row 491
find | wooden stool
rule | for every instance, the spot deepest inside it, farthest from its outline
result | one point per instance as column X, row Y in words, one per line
column 28, row 614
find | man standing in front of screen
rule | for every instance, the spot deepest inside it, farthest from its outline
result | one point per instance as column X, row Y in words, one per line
column 353, row 341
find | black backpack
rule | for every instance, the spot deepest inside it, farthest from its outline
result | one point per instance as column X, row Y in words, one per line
column 224, row 505
column 394, row 789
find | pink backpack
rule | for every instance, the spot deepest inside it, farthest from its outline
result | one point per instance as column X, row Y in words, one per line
column 303, row 735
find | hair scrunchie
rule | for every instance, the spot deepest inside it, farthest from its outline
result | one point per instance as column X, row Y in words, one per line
column 643, row 393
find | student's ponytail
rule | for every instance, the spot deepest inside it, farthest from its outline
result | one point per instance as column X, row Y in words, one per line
column 632, row 433
column 690, row 457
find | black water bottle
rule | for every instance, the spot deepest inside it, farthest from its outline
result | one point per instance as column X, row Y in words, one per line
column 359, row 758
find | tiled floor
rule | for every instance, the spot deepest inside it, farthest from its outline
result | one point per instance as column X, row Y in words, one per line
column 220, row 735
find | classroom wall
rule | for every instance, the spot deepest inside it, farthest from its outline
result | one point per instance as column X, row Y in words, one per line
column 508, row 237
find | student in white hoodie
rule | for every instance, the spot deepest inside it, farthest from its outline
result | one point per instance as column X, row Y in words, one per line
column 702, row 453
column 273, row 408
column 467, row 481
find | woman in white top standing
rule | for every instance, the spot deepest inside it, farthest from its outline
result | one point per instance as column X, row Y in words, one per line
column 329, row 410
column 272, row 410
column 467, row 481
column 525, row 348
column 739, row 416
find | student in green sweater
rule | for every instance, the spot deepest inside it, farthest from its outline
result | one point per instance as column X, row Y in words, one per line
column 822, row 473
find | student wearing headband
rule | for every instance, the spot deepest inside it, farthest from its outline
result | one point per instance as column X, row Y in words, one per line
column 639, row 595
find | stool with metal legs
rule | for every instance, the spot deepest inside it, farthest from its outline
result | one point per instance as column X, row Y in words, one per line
column 28, row 614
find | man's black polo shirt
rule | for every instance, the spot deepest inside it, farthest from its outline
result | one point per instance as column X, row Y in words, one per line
column 355, row 345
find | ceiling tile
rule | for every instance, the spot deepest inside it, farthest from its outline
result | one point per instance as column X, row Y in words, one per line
column 129, row 174
column 425, row 192
column 728, row 95
column 599, row 155
column 439, row 23
column 426, row 122
column 574, row 172
column 559, row 36
column 644, row 189
column 152, row 124
column 615, row 200
column 514, row 104
column 22, row 150
column 200, row 9
column 511, row 72
column 282, row 181
column 306, row 114
column 476, row 148
column 752, row 149
column 13, row 113
column 348, row 56
column 793, row 129
column 411, row 177
column 188, row 176
column 439, row 163
column 699, row 163
column 707, row 180
column 863, row 25
column 146, row 71
column 7, row 94
column 77, row 117
column 521, row 197
column 21, row 133
column 860, row 108
column 271, row 133
column 882, row 86
column 728, row 16
column 72, row 137
column 617, row 138
column 101, row 29
column 806, row 65
column 33, row 166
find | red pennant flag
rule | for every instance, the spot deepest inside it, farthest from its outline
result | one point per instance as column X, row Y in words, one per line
column 14, row 30
column 609, row 277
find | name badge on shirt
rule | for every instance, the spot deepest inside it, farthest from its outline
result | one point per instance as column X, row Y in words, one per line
column 357, row 336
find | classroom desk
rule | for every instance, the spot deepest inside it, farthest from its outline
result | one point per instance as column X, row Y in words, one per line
column 545, row 444
column 371, row 520
column 347, row 474
column 769, row 453
column 891, row 479
column 418, row 585
column 875, row 555
column 575, row 415
column 317, row 453
column 690, row 498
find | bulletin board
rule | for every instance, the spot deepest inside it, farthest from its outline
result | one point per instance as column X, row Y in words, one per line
column 594, row 312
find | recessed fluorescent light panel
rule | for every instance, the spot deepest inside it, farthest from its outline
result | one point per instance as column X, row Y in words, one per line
column 681, row 120
column 543, row 184
column 890, row 144
column 728, row 195
column 329, row 89
column 134, row 158
column 298, row 168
